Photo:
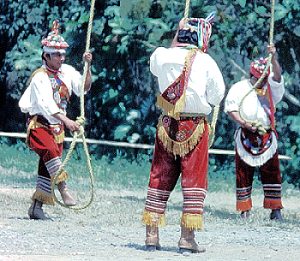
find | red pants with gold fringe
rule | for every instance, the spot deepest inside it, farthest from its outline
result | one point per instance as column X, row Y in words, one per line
column 165, row 171
column 270, row 178
column 41, row 140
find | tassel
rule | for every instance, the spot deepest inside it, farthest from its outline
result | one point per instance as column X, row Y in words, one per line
column 43, row 197
column 61, row 177
column 153, row 219
column 192, row 221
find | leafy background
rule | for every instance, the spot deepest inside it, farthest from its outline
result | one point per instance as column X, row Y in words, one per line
column 121, row 104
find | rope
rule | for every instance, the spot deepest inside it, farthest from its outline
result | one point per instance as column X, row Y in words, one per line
column 80, row 120
column 213, row 125
column 259, row 81
column 187, row 9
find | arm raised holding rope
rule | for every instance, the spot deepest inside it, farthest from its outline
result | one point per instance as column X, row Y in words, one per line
column 251, row 104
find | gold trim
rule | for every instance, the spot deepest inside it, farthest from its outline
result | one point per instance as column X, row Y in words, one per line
column 43, row 197
column 176, row 147
column 34, row 124
column 192, row 221
column 153, row 219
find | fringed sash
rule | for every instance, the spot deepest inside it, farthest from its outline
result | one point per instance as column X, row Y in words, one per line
column 172, row 100
column 255, row 149
column 179, row 137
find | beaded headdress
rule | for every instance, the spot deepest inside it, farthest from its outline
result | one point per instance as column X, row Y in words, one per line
column 54, row 42
column 197, row 31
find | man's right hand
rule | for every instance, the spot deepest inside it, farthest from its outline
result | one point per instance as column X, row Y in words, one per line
column 70, row 124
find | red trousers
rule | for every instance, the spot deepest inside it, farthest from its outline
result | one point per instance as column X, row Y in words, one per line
column 270, row 178
column 41, row 141
column 165, row 171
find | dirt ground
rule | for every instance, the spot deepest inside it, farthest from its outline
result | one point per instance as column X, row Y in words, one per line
column 110, row 229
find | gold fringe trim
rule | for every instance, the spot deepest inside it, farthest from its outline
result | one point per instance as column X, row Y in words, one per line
column 63, row 176
column 180, row 148
column 192, row 221
column 153, row 219
column 172, row 110
column 44, row 198
column 59, row 138
column 34, row 124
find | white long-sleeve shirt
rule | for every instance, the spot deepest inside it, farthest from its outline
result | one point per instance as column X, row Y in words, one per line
column 252, row 109
column 38, row 97
column 205, row 86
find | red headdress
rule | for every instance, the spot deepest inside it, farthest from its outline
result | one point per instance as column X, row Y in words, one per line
column 257, row 67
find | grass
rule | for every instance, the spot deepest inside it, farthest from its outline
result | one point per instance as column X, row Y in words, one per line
column 20, row 165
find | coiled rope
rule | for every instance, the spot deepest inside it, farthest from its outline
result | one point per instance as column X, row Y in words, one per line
column 261, row 128
column 80, row 134
column 216, row 108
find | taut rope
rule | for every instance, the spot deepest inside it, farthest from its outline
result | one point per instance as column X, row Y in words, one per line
column 215, row 108
column 271, row 36
column 80, row 133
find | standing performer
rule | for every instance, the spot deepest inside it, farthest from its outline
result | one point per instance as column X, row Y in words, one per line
column 45, row 100
column 256, row 137
column 189, row 83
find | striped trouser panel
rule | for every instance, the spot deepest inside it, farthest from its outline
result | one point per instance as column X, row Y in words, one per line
column 193, row 203
column 155, row 207
column 53, row 165
column 272, row 193
column 193, row 200
column 157, row 200
column 243, row 198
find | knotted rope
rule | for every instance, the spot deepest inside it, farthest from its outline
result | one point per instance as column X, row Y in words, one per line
column 261, row 128
column 81, row 121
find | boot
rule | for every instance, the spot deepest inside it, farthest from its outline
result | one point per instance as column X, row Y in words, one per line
column 187, row 242
column 276, row 215
column 65, row 194
column 152, row 238
column 245, row 214
column 35, row 211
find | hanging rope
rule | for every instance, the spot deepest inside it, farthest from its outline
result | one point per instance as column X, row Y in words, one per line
column 216, row 108
column 261, row 128
column 80, row 120
column 187, row 9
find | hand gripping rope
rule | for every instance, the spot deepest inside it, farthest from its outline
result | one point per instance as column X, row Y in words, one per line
column 271, row 36
column 80, row 120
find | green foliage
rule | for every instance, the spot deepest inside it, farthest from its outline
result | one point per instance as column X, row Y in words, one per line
column 121, row 104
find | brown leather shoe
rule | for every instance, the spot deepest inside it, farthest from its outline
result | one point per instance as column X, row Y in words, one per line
column 152, row 238
column 65, row 194
column 187, row 242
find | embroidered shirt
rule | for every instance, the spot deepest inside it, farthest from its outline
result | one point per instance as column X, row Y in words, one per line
column 253, row 108
column 41, row 97
column 205, row 86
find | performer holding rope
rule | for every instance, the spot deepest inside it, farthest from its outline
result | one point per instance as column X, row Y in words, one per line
column 256, row 137
column 45, row 100
column 190, row 83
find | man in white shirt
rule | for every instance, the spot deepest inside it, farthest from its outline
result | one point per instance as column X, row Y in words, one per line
column 45, row 101
column 190, row 83
column 252, row 106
